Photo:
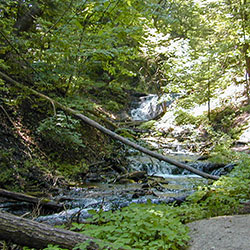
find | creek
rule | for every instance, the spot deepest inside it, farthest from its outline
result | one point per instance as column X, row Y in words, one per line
column 165, row 184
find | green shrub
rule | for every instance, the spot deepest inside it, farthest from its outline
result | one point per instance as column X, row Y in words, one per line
column 62, row 130
column 113, row 106
column 127, row 133
column 139, row 226
column 9, row 173
column 223, row 117
column 246, row 108
column 70, row 171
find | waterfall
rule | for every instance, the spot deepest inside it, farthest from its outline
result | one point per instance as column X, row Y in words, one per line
column 150, row 106
column 147, row 108
column 154, row 167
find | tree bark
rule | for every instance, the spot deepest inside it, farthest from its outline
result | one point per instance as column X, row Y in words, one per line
column 247, row 60
column 109, row 132
column 27, row 198
column 25, row 232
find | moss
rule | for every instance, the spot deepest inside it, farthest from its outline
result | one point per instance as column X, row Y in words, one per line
column 70, row 171
column 222, row 118
column 127, row 133
column 147, row 125
column 9, row 176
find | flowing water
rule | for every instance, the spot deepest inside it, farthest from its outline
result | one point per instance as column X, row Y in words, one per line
column 150, row 106
column 167, row 183
column 147, row 108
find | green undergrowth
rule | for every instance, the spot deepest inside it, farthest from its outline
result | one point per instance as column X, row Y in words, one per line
column 151, row 226
column 139, row 226
column 61, row 129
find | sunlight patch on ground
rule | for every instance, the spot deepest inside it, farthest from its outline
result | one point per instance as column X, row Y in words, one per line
column 245, row 137
column 233, row 94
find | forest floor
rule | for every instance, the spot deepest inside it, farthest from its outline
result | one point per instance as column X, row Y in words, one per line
column 221, row 233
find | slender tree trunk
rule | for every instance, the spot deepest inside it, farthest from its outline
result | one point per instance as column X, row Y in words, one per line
column 244, row 15
column 26, row 20
column 247, row 59
column 111, row 133
column 209, row 101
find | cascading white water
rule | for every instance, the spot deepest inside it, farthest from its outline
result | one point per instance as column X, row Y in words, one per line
column 148, row 108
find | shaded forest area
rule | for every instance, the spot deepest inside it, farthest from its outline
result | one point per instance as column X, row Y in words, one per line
column 99, row 56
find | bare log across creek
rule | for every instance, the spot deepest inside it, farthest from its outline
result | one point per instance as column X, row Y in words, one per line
column 109, row 132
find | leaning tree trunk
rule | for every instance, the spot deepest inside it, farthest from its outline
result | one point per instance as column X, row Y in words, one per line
column 26, row 232
column 111, row 133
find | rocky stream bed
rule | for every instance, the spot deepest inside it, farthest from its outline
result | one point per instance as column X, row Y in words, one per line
column 153, row 180
column 159, row 181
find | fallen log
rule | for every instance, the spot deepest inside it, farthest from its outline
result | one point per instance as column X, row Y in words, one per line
column 45, row 203
column 109, row 132
column 29, row 233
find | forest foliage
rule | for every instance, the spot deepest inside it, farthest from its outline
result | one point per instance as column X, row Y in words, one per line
column 71, row 46
column 90, row 54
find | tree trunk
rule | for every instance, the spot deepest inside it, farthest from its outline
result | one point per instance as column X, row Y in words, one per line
column 247, row 59
column 244, row 16
column 27, row 198
column 25, row 232
column 111, row 133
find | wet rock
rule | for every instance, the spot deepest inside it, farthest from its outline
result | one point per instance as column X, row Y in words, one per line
column 158, row 186
column 146, row 186
column 241, row 147
column 123, row 116
column 142, row 192
column 224, row 170
column 72, row 215
column 179, row 200
column 119, row 168
column 207, row 167
column 93, row 177
column 202, row 158
column 135, row 176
